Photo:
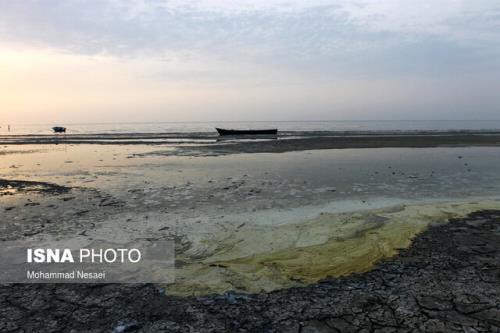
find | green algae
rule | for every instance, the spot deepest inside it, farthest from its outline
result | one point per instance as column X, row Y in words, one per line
column 274, row 257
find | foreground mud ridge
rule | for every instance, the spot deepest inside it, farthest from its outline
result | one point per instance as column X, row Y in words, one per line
column 448, row 280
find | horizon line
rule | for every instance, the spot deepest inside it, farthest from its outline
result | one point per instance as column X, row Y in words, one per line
column 241, row 121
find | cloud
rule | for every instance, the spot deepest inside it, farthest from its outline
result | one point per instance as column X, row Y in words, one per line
column 250, row 27
column 317, row 49
column 359, row 37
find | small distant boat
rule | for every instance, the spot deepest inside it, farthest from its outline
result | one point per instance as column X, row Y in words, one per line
column 222, row 132
column 59, row 129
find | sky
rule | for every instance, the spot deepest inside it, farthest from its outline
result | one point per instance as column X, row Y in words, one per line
column 73, row 61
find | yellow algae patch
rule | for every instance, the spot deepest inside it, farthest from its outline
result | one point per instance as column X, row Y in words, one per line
column 335, row 257
column 273, row 257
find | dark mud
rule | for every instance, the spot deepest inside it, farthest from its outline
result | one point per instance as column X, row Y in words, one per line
column 8, row 187
column 50, row 209
column 447, row 281
column 336, row 142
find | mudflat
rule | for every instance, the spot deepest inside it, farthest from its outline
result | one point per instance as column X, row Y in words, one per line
column 343, row 142
column 210, row 144
column 448, row 280
column 301, row 241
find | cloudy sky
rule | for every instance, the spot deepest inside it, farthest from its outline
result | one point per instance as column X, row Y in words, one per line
column 160, row 60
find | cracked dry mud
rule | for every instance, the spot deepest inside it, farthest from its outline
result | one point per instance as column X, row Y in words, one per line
column 448, row 280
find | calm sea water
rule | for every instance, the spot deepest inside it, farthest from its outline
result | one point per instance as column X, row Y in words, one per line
column 284, row 126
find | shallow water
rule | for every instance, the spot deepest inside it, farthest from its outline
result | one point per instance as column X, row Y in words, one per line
column 406, row 173
column 300, row 126
column 238, row 216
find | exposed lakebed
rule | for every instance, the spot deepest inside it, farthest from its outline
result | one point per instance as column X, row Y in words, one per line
column 246, row 222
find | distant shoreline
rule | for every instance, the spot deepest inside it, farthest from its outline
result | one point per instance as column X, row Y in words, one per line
column 212, row 144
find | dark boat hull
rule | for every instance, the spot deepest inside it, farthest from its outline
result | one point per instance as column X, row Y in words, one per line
column 58, row 129
column 224, row 132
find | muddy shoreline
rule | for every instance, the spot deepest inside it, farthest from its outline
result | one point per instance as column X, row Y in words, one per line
column 447, row 280
column 207, row 144
column 9, row 187
column 338, row 142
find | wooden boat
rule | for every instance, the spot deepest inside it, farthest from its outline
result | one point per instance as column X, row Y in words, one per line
column 224, row 132
column 59, row 129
